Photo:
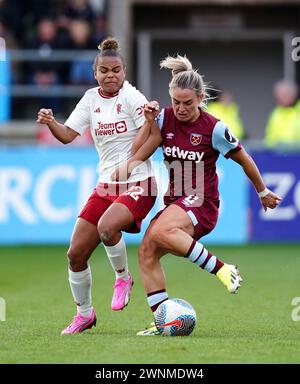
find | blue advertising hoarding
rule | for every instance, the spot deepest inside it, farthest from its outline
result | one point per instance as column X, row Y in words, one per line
column 232, row 223
column 43, row 189
column 281, row 173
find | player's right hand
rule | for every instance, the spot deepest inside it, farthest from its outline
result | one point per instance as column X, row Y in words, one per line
column 45, row 116
column 151, row 110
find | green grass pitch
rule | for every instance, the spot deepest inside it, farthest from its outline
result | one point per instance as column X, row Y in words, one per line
column 254, row 326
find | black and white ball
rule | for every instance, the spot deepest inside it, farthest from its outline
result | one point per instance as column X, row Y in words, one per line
column 175, row 317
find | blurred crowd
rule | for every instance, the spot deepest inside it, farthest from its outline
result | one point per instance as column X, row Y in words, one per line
column 53, row 25
column 79, row 25
column 283, row 124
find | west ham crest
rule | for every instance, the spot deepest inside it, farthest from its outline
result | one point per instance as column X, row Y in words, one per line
column 195, row 138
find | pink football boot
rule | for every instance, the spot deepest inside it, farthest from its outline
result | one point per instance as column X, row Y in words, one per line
column 80, row 323
column 122, row 291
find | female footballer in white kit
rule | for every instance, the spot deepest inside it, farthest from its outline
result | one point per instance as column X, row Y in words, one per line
column 113, row 112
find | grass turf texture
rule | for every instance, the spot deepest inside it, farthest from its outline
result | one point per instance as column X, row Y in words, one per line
column 254, row 326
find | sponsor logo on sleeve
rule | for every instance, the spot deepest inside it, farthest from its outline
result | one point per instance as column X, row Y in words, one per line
column 229, row 136
column 140, row 110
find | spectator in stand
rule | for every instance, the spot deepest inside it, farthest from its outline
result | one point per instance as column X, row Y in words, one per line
column 99, row 7
column 225, row 109
column 10, row 17
column 283, row 126
column 99, row 29
column 21, row 17
column 80, row 9
column 44, row 73
column 81, row 71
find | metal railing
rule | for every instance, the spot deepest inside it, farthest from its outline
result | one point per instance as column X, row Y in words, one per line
column 53, row 56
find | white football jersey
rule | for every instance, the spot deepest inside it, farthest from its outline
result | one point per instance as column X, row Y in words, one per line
column 114, row 122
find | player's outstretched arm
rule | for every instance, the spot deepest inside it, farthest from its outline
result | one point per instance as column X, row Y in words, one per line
column 61, row 132
column 268, row 199
column 149, row 136
column 151, row 112
column 145, row 143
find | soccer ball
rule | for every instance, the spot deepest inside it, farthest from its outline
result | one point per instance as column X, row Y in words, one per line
column 175, row 317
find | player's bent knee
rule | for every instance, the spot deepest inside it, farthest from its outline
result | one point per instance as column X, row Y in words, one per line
column 106, row 235
column 146, row 261
column 147, row 255
column 106, row 232
column 161, row 236
column 155, row 236
column 76, row 257
column 142, row 252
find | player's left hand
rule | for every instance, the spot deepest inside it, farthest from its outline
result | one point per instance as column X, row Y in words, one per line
column 271, row 200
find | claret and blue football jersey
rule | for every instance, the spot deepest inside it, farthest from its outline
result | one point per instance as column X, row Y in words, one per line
column 197, row 143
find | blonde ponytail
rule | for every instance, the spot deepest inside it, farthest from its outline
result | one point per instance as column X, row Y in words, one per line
column 184, row 76
column 176, row 64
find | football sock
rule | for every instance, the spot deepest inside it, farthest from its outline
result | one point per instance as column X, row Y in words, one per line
column 155, row 298
column 199, row 255
column 81, row 287
column 117, row 255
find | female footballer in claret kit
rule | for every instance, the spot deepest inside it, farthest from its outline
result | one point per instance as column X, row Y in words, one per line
column 191, row 137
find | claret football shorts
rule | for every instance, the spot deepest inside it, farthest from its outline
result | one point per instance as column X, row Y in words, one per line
column 139, row 197
column 204, row 217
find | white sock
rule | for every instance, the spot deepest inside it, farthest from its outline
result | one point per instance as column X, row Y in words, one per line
column 117, row 255
column 81, row 287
